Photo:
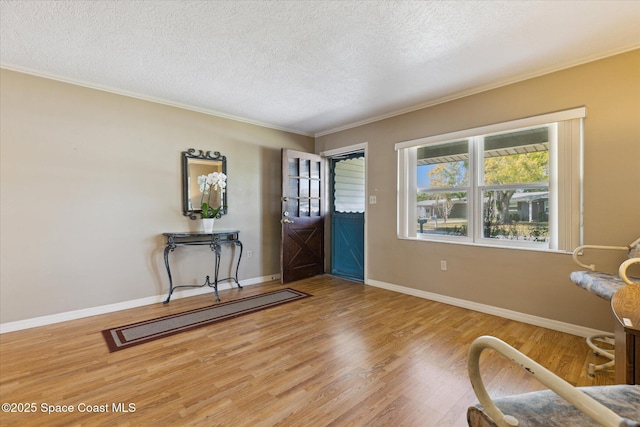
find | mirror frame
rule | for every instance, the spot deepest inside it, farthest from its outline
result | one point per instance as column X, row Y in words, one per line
column 192, row 153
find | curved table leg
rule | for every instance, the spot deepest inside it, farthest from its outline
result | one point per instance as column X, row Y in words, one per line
column 217, row 249
column 239, row 243
column 168, row 249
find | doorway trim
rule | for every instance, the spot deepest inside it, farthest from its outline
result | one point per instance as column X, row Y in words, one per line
column 329, row 154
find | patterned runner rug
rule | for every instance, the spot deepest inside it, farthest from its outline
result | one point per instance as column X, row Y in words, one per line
column 138, row 333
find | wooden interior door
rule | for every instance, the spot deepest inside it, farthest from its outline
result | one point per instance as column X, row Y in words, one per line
column 302, row 248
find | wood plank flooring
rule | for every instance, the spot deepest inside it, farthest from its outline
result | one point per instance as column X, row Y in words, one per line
column 351, row 355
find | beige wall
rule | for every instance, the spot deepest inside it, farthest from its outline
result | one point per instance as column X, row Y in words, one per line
column 530, row 282
column 90, row 180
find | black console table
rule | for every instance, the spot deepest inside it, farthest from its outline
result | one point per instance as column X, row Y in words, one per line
column 215, row 241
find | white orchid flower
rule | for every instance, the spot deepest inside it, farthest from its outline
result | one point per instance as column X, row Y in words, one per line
column 218, row 181
column 202, row 182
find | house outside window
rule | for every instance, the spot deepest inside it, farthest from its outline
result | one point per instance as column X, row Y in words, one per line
column 512, row 184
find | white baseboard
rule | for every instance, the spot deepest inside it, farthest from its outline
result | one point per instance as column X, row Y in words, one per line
column 555, row 325
column 110, row 308
column 483, row 308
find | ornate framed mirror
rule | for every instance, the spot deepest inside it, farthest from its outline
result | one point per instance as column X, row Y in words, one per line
column 195, row 164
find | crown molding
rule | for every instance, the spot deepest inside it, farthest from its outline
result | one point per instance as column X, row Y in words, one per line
column 147, row 98
column 441, row 100
column 480, row 89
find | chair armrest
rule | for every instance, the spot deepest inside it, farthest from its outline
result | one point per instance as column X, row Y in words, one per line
column 580, row 400
column 578, row 251
column 622, row 271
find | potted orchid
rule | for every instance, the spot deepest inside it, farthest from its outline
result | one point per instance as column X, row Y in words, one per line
column 216, row 181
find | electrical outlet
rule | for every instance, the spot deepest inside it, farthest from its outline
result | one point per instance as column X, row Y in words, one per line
column 443, row 265
column 249, row 254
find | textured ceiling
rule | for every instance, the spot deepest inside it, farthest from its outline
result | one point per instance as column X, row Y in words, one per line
column 308, row 66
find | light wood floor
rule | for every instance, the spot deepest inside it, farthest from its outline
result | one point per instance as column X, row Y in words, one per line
column 351, row 355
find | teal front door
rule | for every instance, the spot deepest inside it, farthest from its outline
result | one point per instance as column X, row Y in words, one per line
column 347, row 216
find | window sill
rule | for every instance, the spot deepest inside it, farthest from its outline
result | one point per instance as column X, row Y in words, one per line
column 497, row 245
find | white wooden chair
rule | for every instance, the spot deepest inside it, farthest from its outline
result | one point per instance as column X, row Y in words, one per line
column 604, row 285
column 561, row 406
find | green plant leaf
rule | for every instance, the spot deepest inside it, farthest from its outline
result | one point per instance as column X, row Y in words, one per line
column 205, row 210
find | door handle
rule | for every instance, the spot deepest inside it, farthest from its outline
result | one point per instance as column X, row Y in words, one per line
column 286, row 221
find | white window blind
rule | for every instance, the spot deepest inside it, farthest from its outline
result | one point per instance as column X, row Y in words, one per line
column 349, row 185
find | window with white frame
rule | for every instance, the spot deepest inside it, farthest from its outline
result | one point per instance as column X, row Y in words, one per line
column 510, row 184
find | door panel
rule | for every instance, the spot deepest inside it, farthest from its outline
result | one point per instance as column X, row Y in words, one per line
column 302, row 220
column 347, row 216
column 347, row 245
